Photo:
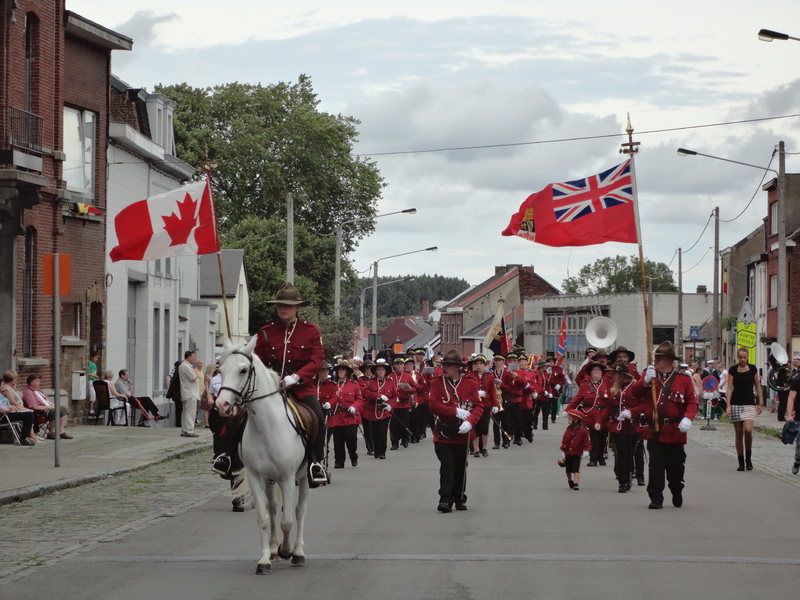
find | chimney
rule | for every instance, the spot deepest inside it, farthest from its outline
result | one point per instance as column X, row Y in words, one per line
column 701, row 289
column 426, row 310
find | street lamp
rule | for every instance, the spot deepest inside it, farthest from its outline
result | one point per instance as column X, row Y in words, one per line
column 375, row 282
column 337, row 293
column 361, row 302
column 780, row 177
column 767, row 35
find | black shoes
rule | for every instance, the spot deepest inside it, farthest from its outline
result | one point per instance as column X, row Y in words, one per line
column 575, row 487
column 655, row 505
column 602, row 462
column 496, row 447
column 394, row 448
column 461, row 506
column 571, row 483
column 518, row 442
column 444, row 507
column 338, row 466
column 354, row 462
column 677, row 499
column 237, row 507
column 623, row 487
column 795, row 468
column 316, row 473
column 640, row 481
column 485, row 452
column 591, row 463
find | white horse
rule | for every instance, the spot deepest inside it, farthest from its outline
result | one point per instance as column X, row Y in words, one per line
column 272, row 450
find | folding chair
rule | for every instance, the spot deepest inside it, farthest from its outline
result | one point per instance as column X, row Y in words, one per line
column 137, row 405
column 6, row 423
column 104, row 403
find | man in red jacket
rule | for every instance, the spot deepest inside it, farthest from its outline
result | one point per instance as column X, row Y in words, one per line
column 455, row 402
column 666, row 424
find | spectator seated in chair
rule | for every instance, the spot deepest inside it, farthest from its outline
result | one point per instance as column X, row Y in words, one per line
column 124, row 386
column 37, row 401
column 116, row 399
column 11, row 406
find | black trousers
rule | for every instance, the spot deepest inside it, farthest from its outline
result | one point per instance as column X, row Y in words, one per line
column 422, row 420
column 452, row 472
column 26, row 418
column 543, row 407
column 148, row 404
column 515, row 421
column 318, row 447
column 344, row 436
column 638, row 457
column 366, row 428
column 554, row 401
column 624, row 448
column 398, row 429
column 598, row 439
column 665, row 459
column 500, row 424
column 526, row 415
column 379, row 429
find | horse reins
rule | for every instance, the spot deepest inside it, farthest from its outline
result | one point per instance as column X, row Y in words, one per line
column 245, row 395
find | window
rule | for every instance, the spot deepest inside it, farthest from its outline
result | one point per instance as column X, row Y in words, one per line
column 773, row 218
column 70, row 320
column 79, row 148
column 156, row 345
column 31, row 60
column 773, row 291
column 167, row 341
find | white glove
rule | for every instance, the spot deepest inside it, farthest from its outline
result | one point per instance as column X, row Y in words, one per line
column 388, row 408
column 326, row 405
column 466, row 426
column 557, row 388
column 548, row 394
column 586, row 454
column 563, row 455
column 624, row 415
column 462, row 414
column 549, row 369
column 495, row 410
column 685, row 424
column 384, row 398
column 649, row 374
column 527, row 386
column 535, row 395
column 481, row 394
column 290, row 380
column 352, row 410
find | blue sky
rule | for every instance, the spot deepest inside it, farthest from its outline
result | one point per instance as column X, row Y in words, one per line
column 424, row 75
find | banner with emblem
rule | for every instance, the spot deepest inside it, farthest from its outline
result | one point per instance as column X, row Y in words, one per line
column 497, row 339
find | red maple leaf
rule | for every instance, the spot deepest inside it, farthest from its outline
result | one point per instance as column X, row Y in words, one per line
column 181, row 226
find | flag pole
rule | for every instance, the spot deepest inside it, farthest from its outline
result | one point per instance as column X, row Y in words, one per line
column 631, row 148
column 207, row 166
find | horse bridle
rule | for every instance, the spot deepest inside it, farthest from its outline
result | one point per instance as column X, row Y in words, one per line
column 244, row 396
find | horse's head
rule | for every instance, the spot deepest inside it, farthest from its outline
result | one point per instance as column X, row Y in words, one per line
column 236, row 370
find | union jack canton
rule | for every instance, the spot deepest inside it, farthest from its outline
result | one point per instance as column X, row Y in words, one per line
column 576, row 199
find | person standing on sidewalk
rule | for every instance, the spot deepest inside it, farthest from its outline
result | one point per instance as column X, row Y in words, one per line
column 742, row 382
column 791, row 416
column 190, row 393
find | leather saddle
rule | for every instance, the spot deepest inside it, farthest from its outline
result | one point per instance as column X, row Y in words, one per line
column 308, row 419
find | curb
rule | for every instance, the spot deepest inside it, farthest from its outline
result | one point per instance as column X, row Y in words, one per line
column 35, row 491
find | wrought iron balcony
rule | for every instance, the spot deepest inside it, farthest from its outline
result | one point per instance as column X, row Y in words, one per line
column 26, row 130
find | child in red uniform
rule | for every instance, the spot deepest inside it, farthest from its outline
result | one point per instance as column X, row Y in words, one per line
column 574, row 445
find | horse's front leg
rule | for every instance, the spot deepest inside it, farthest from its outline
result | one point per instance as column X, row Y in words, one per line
column 272, row 504
column 299, row 557
column 258, row 489
column 289, row 492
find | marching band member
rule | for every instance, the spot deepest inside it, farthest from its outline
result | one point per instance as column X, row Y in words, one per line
column 542, row 399
column 592, row 400
column 622, row 353
column 676, row 406
column 581, row 376
column 366, row 369
column 457, row 406
column 417, row 386
column 344, row 405
column 526, row 410
column 512, row 384
column 423, row 380
column 293, row 349
column 617, row 419
column 574, row 445
column 380, row 394
column 500, row 419
column 488, row 394
column 398, row 426
column 554, row 379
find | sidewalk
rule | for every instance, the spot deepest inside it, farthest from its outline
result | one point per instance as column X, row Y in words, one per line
column 96, row 452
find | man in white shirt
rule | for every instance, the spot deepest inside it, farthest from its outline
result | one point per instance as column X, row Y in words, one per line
column 190, row 393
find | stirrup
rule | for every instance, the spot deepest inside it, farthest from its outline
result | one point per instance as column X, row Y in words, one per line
column 222, row 465
column 317, row 473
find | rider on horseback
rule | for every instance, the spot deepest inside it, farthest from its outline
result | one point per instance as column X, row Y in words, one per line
column 293, row 349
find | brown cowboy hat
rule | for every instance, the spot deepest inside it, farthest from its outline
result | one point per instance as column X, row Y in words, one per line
column 612, row 358
column 288, row 294
column 666, row 349
column 621, row 366
column 453, row 358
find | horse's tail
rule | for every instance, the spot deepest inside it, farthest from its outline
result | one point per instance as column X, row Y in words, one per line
column 240, row 489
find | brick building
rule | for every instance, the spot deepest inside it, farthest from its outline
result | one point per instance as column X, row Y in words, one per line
column 54, row 99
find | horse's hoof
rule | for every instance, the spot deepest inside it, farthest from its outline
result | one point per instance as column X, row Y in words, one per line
column 264, row 570
column 284, row 553
column 274, row 557
column 298, row 561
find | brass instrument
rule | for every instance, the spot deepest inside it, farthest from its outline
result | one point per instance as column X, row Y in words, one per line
column 779, row 377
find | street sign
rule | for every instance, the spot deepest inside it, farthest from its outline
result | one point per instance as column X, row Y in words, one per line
column 694, row 333
column 49, row 278
column 746, row 337
column 710, row 384
column 746, row 315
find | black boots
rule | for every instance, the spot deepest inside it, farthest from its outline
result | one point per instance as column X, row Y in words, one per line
column 741, row 463
column 748, row 463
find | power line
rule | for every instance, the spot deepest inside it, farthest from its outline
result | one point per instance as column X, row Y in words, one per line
column 758, row 189
column 573, row 139
column 699, row 261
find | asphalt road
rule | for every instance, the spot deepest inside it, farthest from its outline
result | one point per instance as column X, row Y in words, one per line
column 375, row 533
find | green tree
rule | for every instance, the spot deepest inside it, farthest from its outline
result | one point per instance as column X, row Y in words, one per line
column 270, row 140
column 619, row 275
column 403, row 298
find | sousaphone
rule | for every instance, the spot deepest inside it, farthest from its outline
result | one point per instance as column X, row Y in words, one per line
column 779, row 377
column 601, row 332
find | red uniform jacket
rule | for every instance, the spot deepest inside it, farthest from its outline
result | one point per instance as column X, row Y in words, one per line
column 527, row 391
column 347, row 394
column 554, row 377
column 327, row 392
column 622, row 400
column 372, row 398
column 592, row 400
column 576, row 441
column 444, row 397
column 294, row 350
column 512, row 387
column 536, row 383
column 423, row 382
column 404, row 397
column 486, row 384
column 682, row 402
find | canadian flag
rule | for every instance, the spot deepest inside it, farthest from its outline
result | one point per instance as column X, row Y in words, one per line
column 176, row 223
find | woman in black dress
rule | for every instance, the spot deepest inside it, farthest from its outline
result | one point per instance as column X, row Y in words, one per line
column 743, row 388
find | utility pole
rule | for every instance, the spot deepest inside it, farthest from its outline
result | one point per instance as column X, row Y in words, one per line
column 680, row 305
column 782, row 271
column 290, row 238
column 715, row 313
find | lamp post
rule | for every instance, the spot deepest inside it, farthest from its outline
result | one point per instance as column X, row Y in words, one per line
column 767, row 35
column 375, row 282
column 781, row 204
column 337, row 293
column 361, row 302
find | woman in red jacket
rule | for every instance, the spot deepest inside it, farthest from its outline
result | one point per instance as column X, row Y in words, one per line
column 344, row 407
column 380, row 394
column 617, row 419
column 454, row 401
column 592, row 399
